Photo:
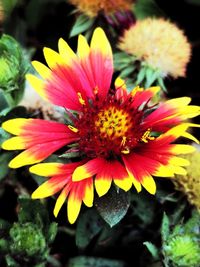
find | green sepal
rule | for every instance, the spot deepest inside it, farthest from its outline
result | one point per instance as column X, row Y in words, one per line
column 82, row 24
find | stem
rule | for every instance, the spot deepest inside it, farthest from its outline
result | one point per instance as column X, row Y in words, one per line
column 9, row 100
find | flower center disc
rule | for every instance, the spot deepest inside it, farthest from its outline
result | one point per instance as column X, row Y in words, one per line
column 113, row 123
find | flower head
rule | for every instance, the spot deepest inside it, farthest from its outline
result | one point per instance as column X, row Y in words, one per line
column 158, row 43
column 190, row 184
column 92, row 8
column 120, row 136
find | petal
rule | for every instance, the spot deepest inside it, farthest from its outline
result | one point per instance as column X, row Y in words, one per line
column 140, row 171
column 182, row 149
column 14, row 126
column 101, row 61
column 142, row 97
column 171, row 112
column 88, row 169
column 61, row 199
column 149, row 184
column 14, row 143
column 43, row 70
column 41, row 138
column 129, row 167
column 73, row 206
column 179, row 161
column 102, row 184
column 83, row 49
column 47, row 169
column 52, row 58
column 38, row 85
column 121, row 90
column 137, row 184
column 191, row 137
column 50, row 169
column 88, row 192
column 36, row 153
column 50, row 187
column 66, row 52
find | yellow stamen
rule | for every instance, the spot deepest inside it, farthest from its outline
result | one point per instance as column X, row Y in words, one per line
column 126, row 150
column 72, row 128
column 123, row 141
column 80, row 98
column 146, row 136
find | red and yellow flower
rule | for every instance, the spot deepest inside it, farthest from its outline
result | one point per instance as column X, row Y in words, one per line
column 122, row 138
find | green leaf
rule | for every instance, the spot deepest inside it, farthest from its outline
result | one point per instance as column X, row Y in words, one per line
column 152, row 249
column 151, row 76
column 113, row 206
column 51, row 232
column 70, row 155
column 89, row 225
column 147, row 8
column 82, row 261
column 127, row 71
column 82, row 24
column 4, row 160
column 3, row 136
column 161, row 84
column 165, row 228
column 141, row 75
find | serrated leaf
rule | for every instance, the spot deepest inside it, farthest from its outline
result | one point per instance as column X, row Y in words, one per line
column 127, row 71
column 151, row 76
column 161, row 84
column 141, row 75
column 89, row 225
column 152, row 249
column 165, row 228
column 113, row 206
column 82, row 24
column 82, row 261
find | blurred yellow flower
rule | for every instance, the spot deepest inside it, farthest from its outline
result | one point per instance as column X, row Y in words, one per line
column 160, row 44
column 190, row 184
column 92, row 8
